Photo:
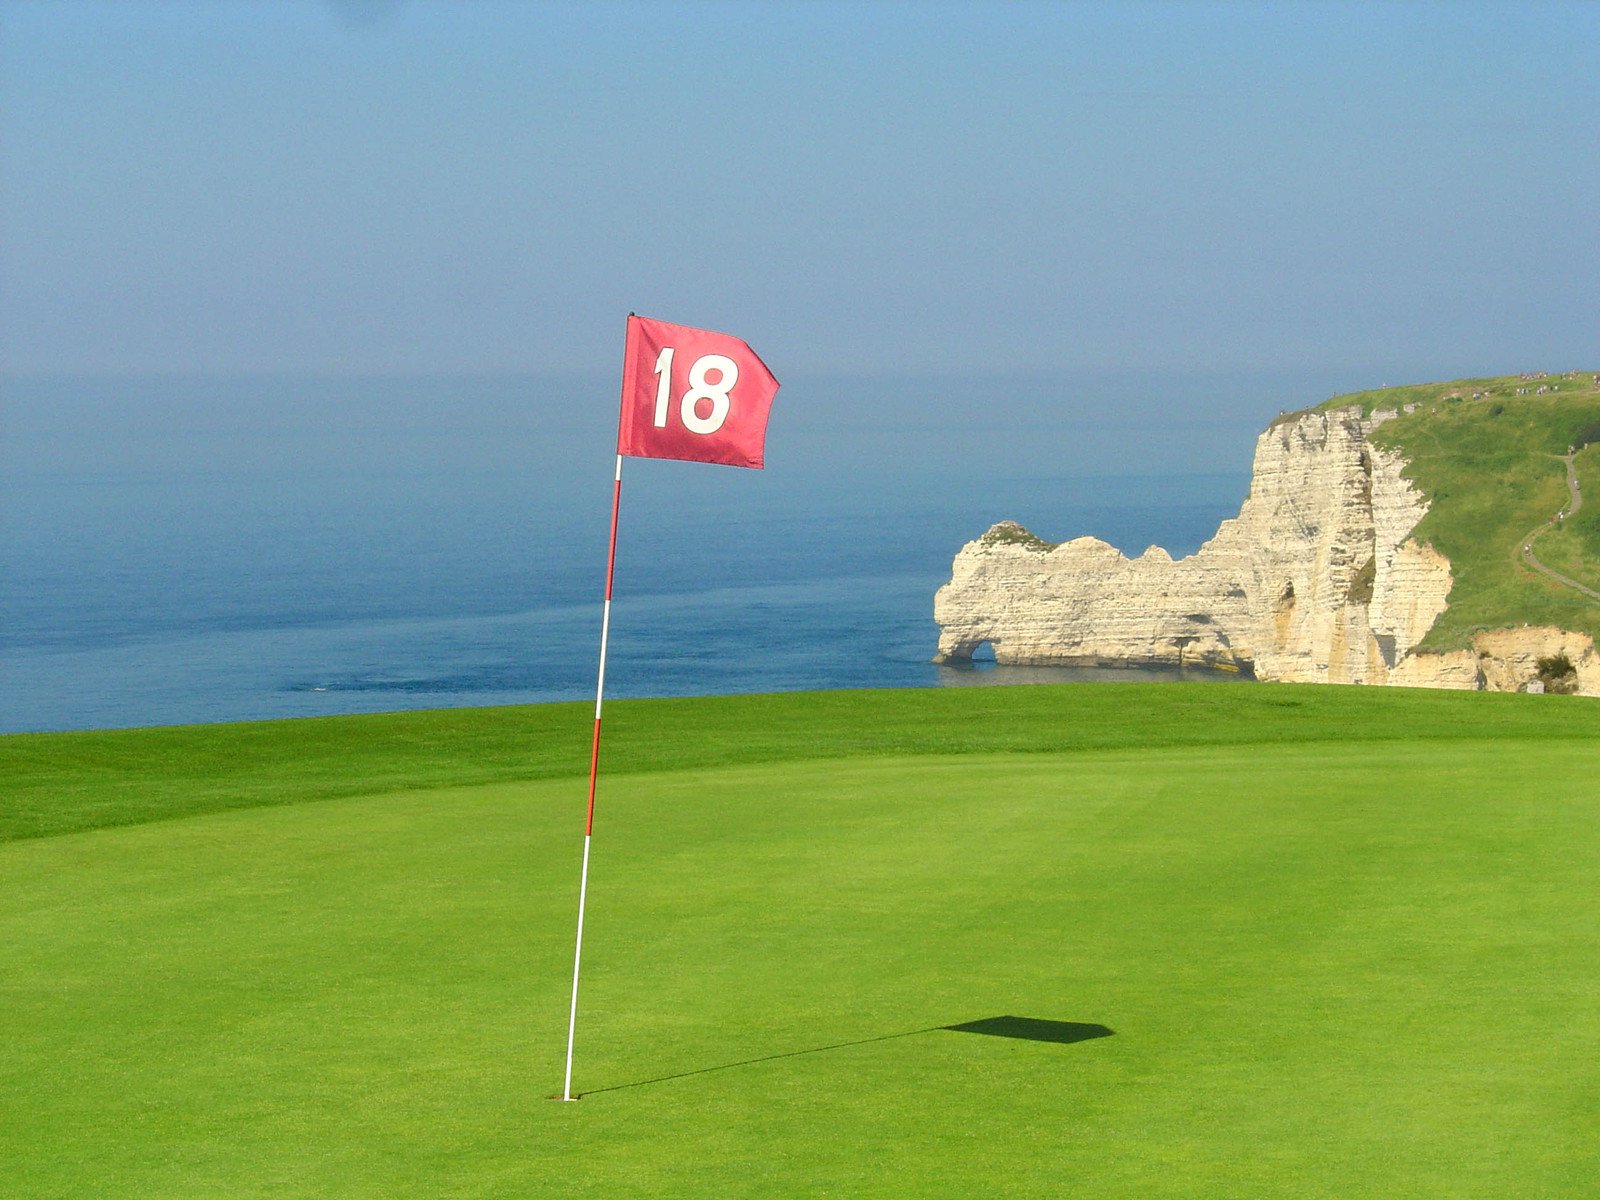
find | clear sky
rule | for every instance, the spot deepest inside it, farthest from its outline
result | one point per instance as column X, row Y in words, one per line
column 1405, row 190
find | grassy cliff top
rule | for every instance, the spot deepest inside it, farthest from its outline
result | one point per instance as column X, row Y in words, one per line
column 1540, row 385
column 1488, row 455
column 1009, row 533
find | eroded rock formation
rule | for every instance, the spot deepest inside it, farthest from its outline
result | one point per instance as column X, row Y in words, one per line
column 1316, row 580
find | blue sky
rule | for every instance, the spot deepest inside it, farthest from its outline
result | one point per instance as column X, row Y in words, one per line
column 1389, row 191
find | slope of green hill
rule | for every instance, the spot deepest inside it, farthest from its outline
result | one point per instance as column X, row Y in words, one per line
column 57, row 783
column 1488, row 455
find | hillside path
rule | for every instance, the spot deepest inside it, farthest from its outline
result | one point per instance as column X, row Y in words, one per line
column 1574, row 503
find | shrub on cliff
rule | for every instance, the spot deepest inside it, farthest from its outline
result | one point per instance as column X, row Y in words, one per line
column 1009, row 533
column 1558, row 674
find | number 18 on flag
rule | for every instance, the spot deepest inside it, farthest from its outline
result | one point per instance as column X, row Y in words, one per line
column 693, row 394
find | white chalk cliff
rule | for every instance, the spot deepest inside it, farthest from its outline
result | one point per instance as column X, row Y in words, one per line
column 1318, row 579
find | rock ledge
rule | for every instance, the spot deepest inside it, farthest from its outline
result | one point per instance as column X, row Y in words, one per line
column 1316, row 580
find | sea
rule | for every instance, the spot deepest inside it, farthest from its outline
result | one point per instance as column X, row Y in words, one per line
column 191, row 549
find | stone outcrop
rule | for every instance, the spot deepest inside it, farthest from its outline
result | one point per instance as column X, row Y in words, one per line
column 1316, row 580
column 1508, row 660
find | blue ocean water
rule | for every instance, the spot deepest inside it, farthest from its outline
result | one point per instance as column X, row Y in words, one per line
column 180, row 550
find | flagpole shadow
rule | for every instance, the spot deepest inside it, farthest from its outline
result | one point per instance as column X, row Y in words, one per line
column 1031, row 1029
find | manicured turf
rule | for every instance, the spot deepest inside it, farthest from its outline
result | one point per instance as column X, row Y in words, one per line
column 61, row 782
column 1342, row 941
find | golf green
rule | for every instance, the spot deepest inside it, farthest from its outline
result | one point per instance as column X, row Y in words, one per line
column 1282, row 968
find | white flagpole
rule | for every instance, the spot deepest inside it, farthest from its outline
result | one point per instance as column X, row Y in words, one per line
column 594, row 770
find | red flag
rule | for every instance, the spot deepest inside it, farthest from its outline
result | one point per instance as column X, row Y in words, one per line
column 693, row 394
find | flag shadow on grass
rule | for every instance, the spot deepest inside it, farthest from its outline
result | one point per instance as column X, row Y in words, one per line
column 1032, row 1029
column 1029, row 1029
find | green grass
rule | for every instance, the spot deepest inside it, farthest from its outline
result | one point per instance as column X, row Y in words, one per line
column 65, row 782
column 1489, row 462
column 1343, row 939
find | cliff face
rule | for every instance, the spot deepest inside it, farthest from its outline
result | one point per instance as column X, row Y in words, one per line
column 1316, row 580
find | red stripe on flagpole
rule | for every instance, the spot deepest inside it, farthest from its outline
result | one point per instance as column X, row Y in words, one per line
column 594, row 771
column 600, row 686
column 616, row 506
